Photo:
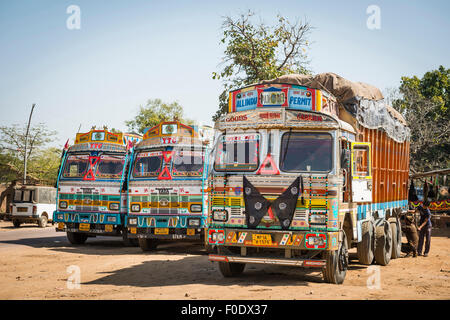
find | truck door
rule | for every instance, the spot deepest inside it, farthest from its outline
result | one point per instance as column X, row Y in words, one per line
column 361, row 172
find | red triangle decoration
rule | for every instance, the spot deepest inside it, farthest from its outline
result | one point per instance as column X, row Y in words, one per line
column 165, row 174
column 90, row 174
column 167, row 155
column 271, row 166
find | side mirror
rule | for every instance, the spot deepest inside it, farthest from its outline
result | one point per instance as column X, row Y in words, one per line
column 345, row 158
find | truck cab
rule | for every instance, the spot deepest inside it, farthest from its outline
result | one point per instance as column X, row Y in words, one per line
column 167, row 198
column 292, row 184
column 91, row 186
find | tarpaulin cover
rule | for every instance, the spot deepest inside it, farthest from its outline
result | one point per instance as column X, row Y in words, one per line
column 363, row 101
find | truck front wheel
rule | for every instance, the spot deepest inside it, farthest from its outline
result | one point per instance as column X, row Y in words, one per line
column 76, row 237
column 229, row 269
column 337, row 263
column 148, row 244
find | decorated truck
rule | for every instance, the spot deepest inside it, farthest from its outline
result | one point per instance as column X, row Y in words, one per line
column 166, row 185
column 304, row 168
column 91, row 186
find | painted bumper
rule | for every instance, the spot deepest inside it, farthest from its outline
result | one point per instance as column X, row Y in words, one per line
column 273, row 239
column 306, row 263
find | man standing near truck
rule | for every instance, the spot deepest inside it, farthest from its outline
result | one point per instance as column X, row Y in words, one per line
column 424, row 229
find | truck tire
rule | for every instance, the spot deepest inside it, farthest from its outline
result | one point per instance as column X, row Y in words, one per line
column 16, row 223
column 230, row 269
column 129, row 242
column 396, row 239
column 77, row 237
column 337, row 263
column 383, row 245
column 42, row 223
column 148, row 244
column 366, row 248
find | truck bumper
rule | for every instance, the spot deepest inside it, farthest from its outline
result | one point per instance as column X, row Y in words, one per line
column 165, row 233
column 273, row 239
column 90, row 228
column 306, row 263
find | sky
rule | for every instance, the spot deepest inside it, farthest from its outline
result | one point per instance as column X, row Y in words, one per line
column 126, row 52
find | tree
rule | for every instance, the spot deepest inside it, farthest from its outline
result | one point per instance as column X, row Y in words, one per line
column 256, row 52
column 153, row 113
column 425, row 104
column 12, row 150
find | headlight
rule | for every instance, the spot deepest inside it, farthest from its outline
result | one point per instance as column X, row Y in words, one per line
column 218, row 236
column 194, row 222
column 315, row 241
column 196, row 207
column 111, row 219
column 60, row 217
column 318, row 218
column 132, row 221
column 113, row 206
column 135, row 207
column 63, row 204
column 220, row 215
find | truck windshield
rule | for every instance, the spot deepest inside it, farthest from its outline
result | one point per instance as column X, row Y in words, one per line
column 148, row 164
column 301, row 151
column 76, row 166
column 110, row 166
column 188, row 163
column 237, row 152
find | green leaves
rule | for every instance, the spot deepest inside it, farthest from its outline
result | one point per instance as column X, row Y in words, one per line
column 425, row 104
column 153, row 113
column 256, row 52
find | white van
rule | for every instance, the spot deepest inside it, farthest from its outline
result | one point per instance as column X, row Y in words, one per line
column 33, row 204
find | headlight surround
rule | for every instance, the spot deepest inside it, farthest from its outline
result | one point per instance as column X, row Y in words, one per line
column 60, row 217
column 196, row 208
column 114, row 206
column 132, row 221
column 194, row 222
column 318, row 218
column 220, row 215
column 63, row 204
column 135, row 207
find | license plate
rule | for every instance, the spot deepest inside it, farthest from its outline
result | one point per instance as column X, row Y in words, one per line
column 60, row 225
column 133, row 230
column 108, row 228
column 190, row 232
column 85, row 227
column 161, row 230
column 22, row 209
column 261, row 239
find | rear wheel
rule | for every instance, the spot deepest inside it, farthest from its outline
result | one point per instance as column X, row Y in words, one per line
column 43, row 220
column 336, row 263
column 77, row 237
column 16, row 223
column 383, row 246
column 148, row 244
column 366, row 247
column 396, row 239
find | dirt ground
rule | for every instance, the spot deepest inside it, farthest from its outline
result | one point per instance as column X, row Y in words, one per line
column 34, row 265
